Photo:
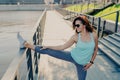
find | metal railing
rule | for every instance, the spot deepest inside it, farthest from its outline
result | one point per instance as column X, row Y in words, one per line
column 117, row 18
column 12, row 72
column 101, row 25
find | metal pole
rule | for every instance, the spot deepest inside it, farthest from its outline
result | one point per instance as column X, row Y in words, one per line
column 29, row 64
column 92, row 20
column 116, row 23
column 94, row 4
column 98, row 28
column 88, row 5
column 81, row 7
column 104, row 23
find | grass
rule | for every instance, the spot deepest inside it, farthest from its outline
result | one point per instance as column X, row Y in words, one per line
column 83, row 7
column 109, row 10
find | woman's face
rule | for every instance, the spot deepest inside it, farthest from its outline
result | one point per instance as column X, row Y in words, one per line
column 79, row 26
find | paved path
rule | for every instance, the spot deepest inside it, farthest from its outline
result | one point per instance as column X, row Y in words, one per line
column 56, row 32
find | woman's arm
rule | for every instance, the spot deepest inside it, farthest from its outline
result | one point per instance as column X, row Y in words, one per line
column 69, row 43
column 96, row 47
column 94, row 54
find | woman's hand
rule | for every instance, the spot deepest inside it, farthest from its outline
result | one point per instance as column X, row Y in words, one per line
column 87, row 66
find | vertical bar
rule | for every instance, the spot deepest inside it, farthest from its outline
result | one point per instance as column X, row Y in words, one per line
column 88, row 16
column 70, row 15
column 35, row 54
column 16, row 78
column 98, row 28
column 116, row 23
column 40, row 39
column 38, row 35
column 36, row 62
column 104, row 23
column 81, row 7
column 34, row 38
column 29, row 64
column 93, row 21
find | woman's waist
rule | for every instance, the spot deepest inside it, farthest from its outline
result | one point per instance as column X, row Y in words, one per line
column 81, row 50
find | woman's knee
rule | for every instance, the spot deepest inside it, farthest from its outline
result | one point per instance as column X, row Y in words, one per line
column 38, row 48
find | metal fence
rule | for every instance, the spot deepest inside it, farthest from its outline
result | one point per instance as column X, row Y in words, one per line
column 12, row 72
column 101, row 25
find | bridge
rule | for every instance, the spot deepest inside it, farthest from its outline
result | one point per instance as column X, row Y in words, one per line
column 53, row 29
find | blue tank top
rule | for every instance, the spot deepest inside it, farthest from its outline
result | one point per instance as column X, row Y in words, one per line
column 83, row 51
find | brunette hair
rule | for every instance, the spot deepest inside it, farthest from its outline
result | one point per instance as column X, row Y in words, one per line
column 84, row 20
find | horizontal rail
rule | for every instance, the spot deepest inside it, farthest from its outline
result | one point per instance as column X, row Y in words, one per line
column 109, row 13
column 95, row 21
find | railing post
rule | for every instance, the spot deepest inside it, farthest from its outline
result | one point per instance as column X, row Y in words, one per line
column 29, row 64
column 70, row 15
column 38, row 35
column 92, row 20
column 15, row 78
column 35, row 53
column 116, row 23
column 98, row 28
column 39, row 38
column 104, row 23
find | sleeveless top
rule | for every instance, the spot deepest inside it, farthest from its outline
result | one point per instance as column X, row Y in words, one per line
column 83, row 51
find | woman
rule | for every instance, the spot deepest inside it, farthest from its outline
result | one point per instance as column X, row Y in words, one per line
column 82, row 55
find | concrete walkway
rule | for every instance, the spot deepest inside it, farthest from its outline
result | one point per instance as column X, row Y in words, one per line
column 56, row 32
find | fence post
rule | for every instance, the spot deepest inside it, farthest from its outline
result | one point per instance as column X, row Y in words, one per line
column 116, row 23
column 92, row 20
column 98, row 28
column 104, row 23
column 35, row 37
column 39, row 38
column 29, row 64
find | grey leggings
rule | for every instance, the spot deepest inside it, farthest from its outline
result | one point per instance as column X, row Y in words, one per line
column 64, row 55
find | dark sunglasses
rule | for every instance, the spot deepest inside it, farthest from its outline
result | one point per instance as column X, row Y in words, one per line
column 77, row 25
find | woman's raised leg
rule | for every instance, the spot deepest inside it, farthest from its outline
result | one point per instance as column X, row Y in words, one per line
column 60, row 54
column 64, row 55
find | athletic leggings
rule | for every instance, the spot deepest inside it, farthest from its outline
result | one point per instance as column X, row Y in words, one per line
column 64, row 55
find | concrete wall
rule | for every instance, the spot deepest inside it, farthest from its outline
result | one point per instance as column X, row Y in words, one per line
column 24, row 7
column 22, row 1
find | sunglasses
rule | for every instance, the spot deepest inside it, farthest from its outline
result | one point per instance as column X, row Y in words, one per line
column 77, row 25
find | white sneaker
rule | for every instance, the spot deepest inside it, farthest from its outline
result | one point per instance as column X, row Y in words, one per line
column 21, row 40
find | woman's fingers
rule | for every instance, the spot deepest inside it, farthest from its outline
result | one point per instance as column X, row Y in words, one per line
column 87, row 66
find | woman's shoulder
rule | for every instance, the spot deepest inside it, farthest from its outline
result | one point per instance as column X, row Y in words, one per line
column 75, row 37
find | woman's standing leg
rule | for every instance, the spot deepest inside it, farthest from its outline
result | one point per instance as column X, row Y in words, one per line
column 81, row 72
